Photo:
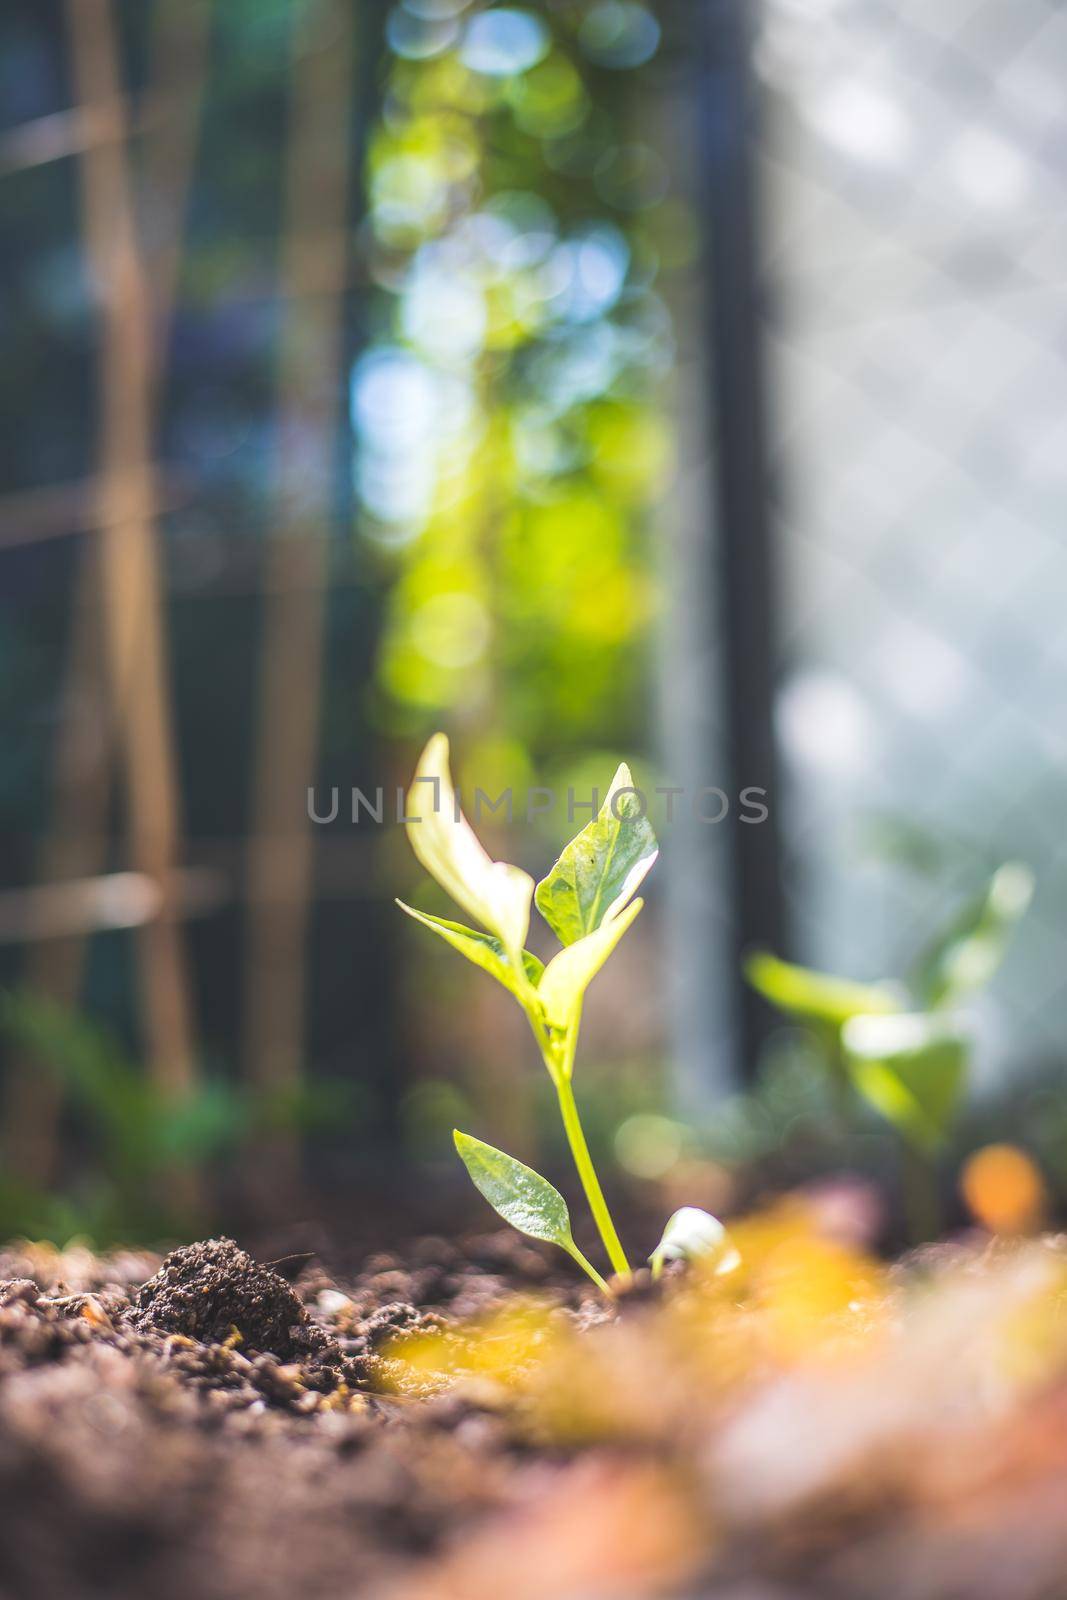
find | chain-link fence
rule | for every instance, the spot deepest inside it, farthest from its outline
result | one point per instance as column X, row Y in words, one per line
column 913, row 185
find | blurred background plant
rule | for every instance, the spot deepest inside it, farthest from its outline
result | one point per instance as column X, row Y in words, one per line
column 142, row 1163
column 904, row 1049
column 600, row 380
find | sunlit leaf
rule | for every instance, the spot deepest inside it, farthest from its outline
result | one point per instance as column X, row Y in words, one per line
column 911, row 1068
column 495, row 894
column 570, row 973
column 481, row 948
column 967, row 955
column 601, row 869
column 516, row 1192
column 521, row 1196
column 817, row 996
column 695, row 1235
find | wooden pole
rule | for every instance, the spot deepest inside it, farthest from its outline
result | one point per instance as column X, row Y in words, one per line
column 75, row 845
column 129, row 566
column 310, row 382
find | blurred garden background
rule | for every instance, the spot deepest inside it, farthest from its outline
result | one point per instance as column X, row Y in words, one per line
column 595, row 380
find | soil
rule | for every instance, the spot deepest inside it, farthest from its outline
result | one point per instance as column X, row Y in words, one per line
column 213, row 1427
column 202, row 1427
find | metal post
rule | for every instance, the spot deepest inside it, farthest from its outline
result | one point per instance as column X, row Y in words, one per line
column 745, row 554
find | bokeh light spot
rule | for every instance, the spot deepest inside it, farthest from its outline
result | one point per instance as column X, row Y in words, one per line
column 1004, row 1190
column 648, row 1146
column 619, row 34
column 500, row 43
column 451, row 630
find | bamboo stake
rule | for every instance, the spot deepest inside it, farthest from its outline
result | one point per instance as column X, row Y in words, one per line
column 76, row 844
column 130, row 578
column 314, row 266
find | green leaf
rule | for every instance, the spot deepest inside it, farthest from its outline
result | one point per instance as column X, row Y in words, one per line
column 601, row 869
column 521, row 1196
column 571, row 971
column 518, row 1193
column 816, row 996
column 481, row 948
column 911, row 1068
column 692, row 1235
column 495, row 894
column 969, row 952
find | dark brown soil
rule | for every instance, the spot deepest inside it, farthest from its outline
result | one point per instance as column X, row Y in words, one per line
column 208, row 1291
column 201, row 1427
column 212, row 1428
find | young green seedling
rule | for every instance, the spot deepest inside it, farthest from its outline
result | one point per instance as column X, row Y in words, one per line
column 903, row 1049
column 587, row 900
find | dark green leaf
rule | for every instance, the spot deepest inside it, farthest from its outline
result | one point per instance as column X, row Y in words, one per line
column 601, row 869
column 518, row 1193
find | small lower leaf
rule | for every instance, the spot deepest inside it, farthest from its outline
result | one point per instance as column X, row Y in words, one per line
column 521, row 1196
column 518, row 1193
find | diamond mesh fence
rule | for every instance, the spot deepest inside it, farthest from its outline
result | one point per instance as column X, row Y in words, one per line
column 914, row 222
